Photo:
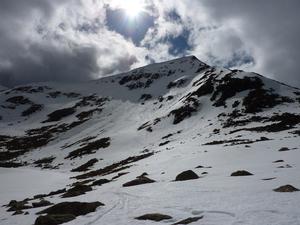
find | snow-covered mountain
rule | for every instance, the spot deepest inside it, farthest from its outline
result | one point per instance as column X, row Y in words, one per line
column 123, row 141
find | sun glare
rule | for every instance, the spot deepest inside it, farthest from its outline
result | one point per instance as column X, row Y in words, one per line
column 132, row 8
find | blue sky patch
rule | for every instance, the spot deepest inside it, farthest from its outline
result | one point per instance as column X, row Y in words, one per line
column 134, row 29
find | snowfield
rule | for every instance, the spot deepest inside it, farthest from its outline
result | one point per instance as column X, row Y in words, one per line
column 149, row 125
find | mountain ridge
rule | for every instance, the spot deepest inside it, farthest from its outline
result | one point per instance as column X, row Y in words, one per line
column 99, row 136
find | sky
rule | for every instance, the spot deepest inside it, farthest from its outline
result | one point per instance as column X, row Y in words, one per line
column 78, row 40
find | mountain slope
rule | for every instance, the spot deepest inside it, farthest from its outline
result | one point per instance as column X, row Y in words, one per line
column 161, row 119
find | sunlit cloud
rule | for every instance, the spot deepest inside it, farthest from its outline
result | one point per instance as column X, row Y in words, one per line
column 95, row 38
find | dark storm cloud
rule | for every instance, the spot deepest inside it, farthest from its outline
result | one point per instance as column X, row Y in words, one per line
column 48, row 64
column 25, row 60
column 270, row 28
column 36, row 44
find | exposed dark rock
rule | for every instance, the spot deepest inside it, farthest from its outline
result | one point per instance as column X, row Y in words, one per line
column 170, row 97
column 157, row 217
column 100, row 182
column 71, row 94
column 284, row 149
column 259, row 99
column 54, row 94
column 81, row 142
column 52, row 193
column 235, row 104
column 178, row 83
column 73, row 208
column 119, row 175
column 186, row 175
column 143, row 175
column 241, row 173
column 18, row 212
column 89, row 148
column 116, row 167
column 278, row 161
column 41, row 203
column 88, row 114
column 203, row 167
column 11, row 164
column 54, row 219
column 145, row 125
column 164, row 143
column 83, row 182
column 32, row 109
column 231, row 86
column 189, row 220
column 296, row 132
column 149, row 124
column 9, row 155
column 167, row 136
column 233, row 142
column 77, row 190
column 29, row 89
column 232, row 121
column 17, row 205
column 184, row 111
column 146, row 97
column 138, row 181
column 17, row 146
column 91, row 100
column 206, row 88
column 19, row 100
column 45, row 160
column 282, row 122
column 59, row 114
column 149, row 129
column 286, row 188
column 286, row 166
column 85, row 166
column 267, row 179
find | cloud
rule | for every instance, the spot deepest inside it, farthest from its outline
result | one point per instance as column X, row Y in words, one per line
column 62, row 40
column 268, row 29
column 59, row 41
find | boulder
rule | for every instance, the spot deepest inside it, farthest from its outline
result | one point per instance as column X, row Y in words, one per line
column 189, row 220
column 286, row 188
column 73, row 208
column 41, row 203
column 186, row 175
column 241, row 173
column 138, row 181
column 54, row 219
column 154, row 217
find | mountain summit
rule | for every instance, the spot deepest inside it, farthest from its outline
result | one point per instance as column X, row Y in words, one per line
column 178, row 142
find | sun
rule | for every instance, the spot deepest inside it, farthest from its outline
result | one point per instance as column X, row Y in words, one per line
column 132, row 8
